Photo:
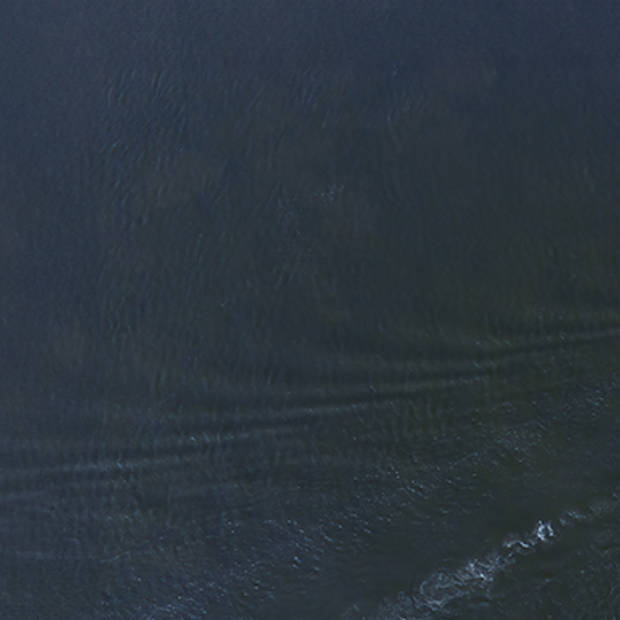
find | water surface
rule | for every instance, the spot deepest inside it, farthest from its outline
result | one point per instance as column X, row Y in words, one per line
column 309, row 312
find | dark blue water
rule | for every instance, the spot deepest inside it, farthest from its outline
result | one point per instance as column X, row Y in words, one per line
column 309, row 312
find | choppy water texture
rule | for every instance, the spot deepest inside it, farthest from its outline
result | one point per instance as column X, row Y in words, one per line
column 309, row 313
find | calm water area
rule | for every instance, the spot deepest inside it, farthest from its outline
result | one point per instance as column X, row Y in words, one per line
column 309, row 310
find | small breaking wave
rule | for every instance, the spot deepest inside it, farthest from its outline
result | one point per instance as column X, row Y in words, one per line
column 439, row 592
